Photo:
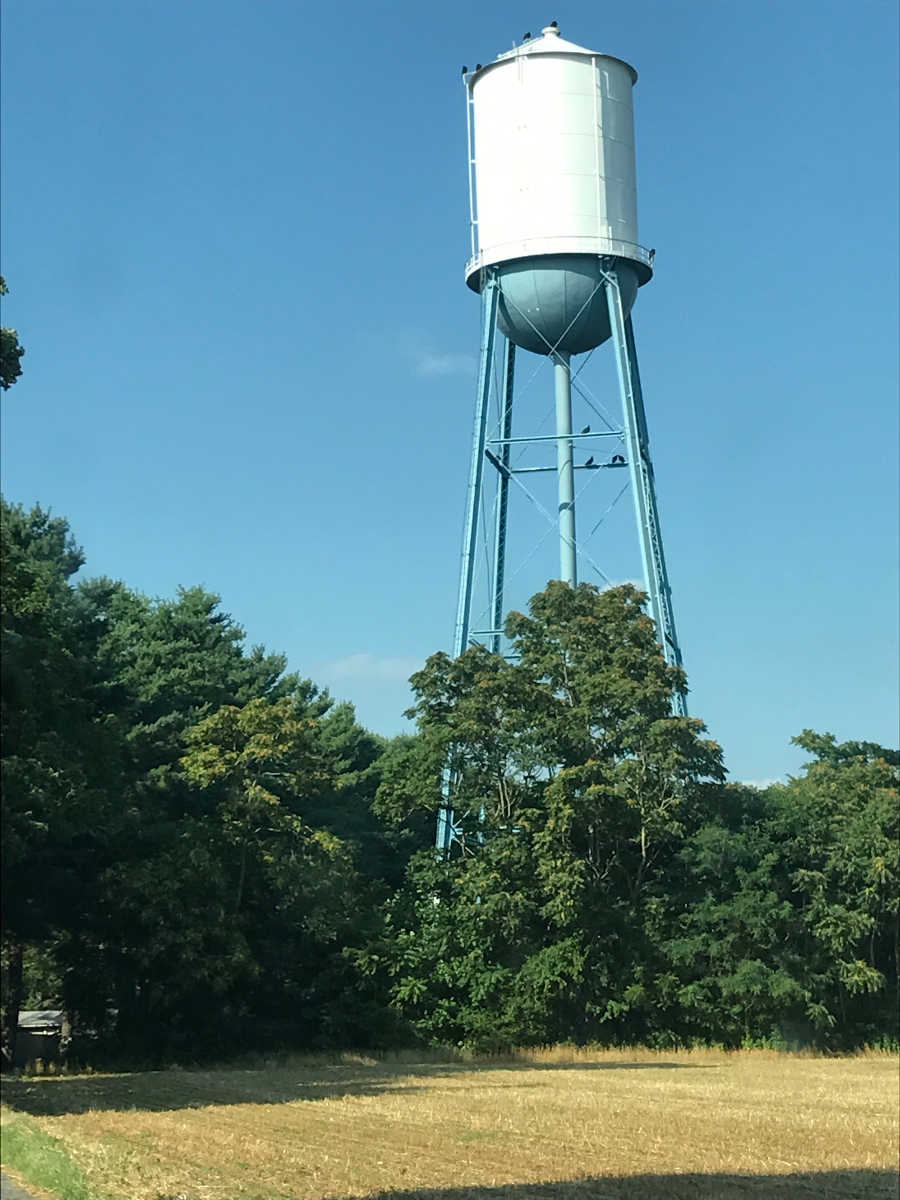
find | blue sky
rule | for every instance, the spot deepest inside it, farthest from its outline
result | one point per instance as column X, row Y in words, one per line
column 234, row 236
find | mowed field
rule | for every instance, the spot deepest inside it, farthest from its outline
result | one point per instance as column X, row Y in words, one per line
column 541, row 1126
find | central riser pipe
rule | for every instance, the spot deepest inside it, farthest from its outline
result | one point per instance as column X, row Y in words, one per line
column 565, row 468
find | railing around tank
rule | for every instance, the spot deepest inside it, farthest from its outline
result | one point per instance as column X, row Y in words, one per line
column 540, row 247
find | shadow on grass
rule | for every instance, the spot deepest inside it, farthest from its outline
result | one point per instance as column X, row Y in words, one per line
column 863, row 1184
column 167, row 1091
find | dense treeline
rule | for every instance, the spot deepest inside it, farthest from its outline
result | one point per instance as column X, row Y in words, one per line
column 204, row 854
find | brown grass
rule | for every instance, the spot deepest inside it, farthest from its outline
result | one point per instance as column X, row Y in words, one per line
column 568, row 1123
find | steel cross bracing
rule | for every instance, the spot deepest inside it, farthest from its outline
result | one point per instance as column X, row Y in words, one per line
column 496, row 451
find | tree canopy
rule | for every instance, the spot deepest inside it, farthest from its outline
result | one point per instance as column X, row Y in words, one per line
column 203, row 853
column 10, row 350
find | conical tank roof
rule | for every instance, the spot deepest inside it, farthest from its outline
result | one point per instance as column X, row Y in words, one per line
column 550, row 41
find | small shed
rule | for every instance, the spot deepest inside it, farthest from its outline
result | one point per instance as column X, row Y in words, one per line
column 39, row 1035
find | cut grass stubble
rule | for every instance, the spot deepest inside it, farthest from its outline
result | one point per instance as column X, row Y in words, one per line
column 359, row 1127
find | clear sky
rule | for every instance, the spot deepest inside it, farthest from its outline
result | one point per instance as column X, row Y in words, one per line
column 234, row 235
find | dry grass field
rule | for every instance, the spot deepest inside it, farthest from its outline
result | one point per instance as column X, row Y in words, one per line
column 608, row 1124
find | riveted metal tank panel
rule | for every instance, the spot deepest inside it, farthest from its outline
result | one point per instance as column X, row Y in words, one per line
column 558, row 302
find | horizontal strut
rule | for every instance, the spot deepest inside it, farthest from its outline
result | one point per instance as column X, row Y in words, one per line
column 551, row 437
column 578, row 467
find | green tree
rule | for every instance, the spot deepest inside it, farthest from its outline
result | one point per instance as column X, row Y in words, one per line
column 787, row 926
column 843, row 825
column 268, row 760
column 200, row 909
column 58, row 757
column 177, row 894
column 173, row 662
column 10, row 350
column 298, row 897
column 573, row 784
column 159, row 943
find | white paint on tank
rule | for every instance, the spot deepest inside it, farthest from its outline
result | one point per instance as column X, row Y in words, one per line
column 553, row 155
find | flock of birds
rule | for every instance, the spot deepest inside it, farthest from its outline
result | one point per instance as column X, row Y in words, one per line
column 526, row 37
column 617, row 460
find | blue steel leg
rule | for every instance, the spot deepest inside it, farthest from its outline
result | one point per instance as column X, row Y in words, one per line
column 565, row 467
column 444, row 832
column 489, row 298
column 476, row 468
column 509, row 371
column 642, row 482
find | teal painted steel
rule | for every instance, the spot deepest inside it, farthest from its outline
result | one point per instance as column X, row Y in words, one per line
column 557, row 302
column 445, row 832
column 637, row 460
column 565, row 468
column 643, row 485
column 476, row 467
column 498, row 573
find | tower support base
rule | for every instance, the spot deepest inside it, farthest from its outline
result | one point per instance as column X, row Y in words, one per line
column 496, row 452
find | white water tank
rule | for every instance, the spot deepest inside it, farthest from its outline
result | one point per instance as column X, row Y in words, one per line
column 554, row 189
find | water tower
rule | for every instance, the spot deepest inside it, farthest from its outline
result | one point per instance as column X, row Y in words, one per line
column 557, row 262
